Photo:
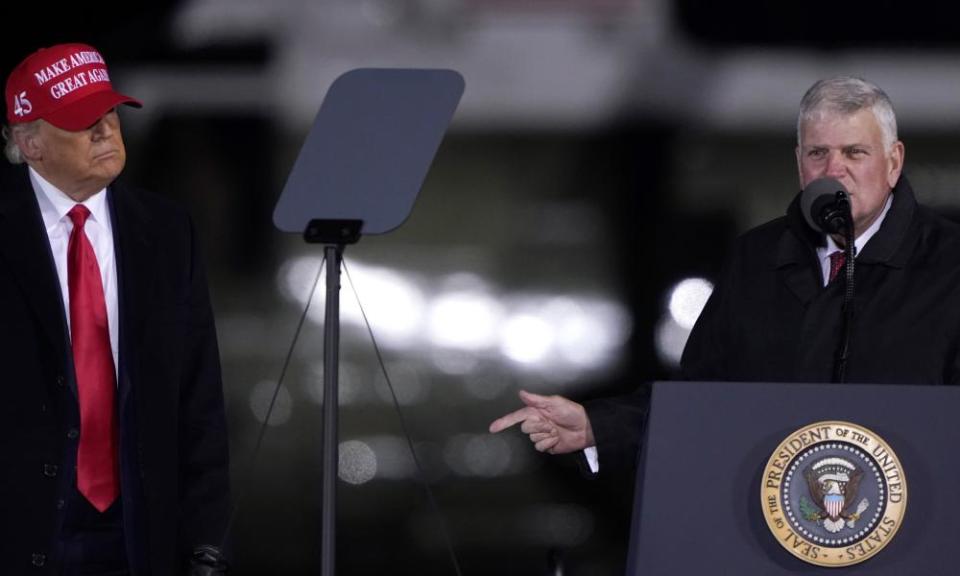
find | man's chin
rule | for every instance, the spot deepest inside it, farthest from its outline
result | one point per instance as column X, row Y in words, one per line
column 109, row 168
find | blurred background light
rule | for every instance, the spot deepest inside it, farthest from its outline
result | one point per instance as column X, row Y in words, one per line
column 463, row 320
column 526, row 339
column 295, row 277
column 592, row 332
column 358, row 462
column 393, row 302
column 687, row 300
column 669, row 340
column 260, row 398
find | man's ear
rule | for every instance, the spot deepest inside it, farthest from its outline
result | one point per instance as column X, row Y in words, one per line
column 895, row 163
column 30, row 144
column 799, row 167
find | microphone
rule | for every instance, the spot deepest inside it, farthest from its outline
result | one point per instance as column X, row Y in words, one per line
column 826, row 206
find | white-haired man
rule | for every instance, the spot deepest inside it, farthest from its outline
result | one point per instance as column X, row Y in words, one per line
column 775, row 313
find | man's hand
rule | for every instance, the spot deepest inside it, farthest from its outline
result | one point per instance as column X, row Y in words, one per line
column 555, row 424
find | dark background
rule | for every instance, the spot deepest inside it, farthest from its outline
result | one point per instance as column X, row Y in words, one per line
column 604, row 151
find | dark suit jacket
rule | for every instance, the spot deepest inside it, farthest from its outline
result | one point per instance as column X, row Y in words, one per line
column 174, row 472
column 770, row 319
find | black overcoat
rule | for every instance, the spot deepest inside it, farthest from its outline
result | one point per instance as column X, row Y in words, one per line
column 770, row 319
column 173, row 443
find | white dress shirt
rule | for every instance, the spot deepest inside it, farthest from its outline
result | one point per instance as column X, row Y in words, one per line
column 54, row 206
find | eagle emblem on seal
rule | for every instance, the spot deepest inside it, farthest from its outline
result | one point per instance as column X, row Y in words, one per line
column 833, row 484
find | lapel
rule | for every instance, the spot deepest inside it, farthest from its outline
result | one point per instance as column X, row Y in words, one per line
column 135, row 248
column 26, row 250
column 886, row 246
column 796, row 259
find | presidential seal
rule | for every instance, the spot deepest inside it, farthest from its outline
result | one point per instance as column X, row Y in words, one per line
column 833, row 493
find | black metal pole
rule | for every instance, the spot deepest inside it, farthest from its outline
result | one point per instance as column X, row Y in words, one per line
column 850, row 254
column 331, row 351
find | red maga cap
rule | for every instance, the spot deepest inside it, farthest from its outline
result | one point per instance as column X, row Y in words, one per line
column 67, row 85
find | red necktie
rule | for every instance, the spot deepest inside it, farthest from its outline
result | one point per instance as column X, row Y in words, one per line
column 837, row 258
column 97, row 470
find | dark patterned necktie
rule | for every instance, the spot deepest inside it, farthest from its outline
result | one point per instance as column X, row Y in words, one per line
column 837, row 258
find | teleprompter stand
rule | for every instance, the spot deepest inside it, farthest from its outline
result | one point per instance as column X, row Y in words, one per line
column 359, row 173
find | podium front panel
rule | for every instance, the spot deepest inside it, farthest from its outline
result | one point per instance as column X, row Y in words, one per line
column 698, row 506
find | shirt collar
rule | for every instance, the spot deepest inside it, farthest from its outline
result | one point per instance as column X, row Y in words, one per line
column 54, row 203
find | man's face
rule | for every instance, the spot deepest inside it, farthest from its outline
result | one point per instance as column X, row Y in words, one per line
column 79, row 163
column 850, row 149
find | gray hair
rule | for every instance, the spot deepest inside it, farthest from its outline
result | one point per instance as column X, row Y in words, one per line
column 10, row 148
column 847, row 95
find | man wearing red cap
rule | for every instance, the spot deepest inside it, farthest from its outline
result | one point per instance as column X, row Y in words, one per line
column 112, row 431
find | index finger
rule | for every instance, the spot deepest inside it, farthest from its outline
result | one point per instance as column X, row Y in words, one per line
column 512, row 418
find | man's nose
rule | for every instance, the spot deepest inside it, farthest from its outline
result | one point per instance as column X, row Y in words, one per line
column 836, row 166
column 103, row 128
